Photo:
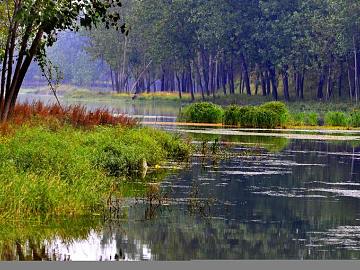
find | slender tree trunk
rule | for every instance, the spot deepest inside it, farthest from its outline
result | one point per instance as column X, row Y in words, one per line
column 349, row 79
column 217, row 78
column 205, row 70
column 112, row 80
column 356, row 71
column 179, row 85
column 285, row 77
column 268, row 83
column 224, row 77
column 199, row 78
column 272, row 74
column 191, row 83
column 263, row 83
column 340, row 79
column 320, row 94
column 231, row 77
column 302, row 79
column 246, row 74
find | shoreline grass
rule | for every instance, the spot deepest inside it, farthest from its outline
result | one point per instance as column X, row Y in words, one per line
column 268, row 115
column 55, row 165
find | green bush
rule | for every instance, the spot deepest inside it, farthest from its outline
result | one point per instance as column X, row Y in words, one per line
column 355, row 119
column 336, row 119
column 304, row 119
column 298, row 119
column 251, row 117
column 232, row 115
column 312, row 119
column 280, row 109
column 202, row 112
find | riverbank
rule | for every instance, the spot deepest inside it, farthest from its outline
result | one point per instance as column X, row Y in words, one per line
column 75, row 93
column 65, row 165
column 269, row 115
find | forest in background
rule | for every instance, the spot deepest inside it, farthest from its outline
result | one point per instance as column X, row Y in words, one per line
column 287, row 49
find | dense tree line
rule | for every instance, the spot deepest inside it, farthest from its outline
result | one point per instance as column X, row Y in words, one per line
column 283, row 48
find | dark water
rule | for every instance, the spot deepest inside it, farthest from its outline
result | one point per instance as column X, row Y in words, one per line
column 270, row 199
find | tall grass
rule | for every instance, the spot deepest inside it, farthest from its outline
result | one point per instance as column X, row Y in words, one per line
column 72, row 171
column 75, row 115
column 340, row 119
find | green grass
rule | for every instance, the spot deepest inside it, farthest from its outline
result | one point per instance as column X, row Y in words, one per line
column 304, row 119
column 72, row 171
column 337, row 119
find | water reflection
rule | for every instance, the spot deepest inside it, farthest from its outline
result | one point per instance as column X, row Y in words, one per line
column 298, row 202
column 153, row 111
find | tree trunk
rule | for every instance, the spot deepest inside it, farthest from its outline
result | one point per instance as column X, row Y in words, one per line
column 12, row 93
column 356, row 71
column 231, row 78
column 246, row 74
column 205, row 70
column 272, row 74
column 179, row 85
column 199, row 78
column 224, row 77
column 285, row 77
column 268, row 83
column 320, row 93
column 340, row 79
column 191, row 83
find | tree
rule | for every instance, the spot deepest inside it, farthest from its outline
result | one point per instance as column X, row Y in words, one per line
column 32, row 25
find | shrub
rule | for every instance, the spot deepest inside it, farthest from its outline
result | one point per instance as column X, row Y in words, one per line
column 232, row 115
column 265, row 118
column 302, row 119
column 280, row 109
column 312, row 119
column 336, row 119
column 203, row 112
column 298, row 119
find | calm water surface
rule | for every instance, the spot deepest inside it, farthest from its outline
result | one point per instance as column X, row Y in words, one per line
column 271, row 198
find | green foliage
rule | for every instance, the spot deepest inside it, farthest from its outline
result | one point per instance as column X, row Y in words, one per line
column 304, row 119
column 355, row 118
column 232, row 115
column 268, row 115
column 258, row 117
column 202, row 112
column 280, row 109
column 336, row 119
column 71, row 171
